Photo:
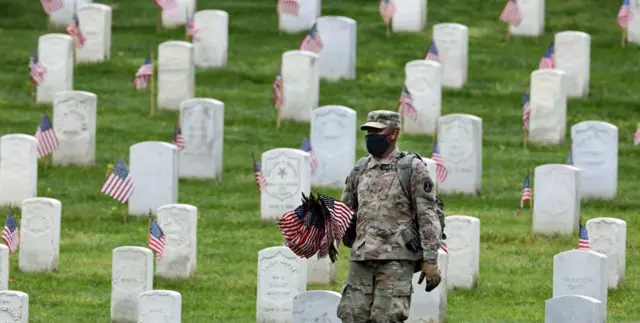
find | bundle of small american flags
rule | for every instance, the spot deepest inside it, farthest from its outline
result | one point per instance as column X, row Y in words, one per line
column 316, row 226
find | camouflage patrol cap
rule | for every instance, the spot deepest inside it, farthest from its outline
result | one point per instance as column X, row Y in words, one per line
column 381, row 119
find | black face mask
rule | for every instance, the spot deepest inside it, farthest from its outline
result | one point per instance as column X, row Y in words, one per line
column 376, row 144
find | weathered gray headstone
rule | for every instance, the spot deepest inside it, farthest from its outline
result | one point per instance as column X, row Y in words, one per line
column 608, row 236
column 202, row 125
column 176, row 74
column 572, row 54
column 95, row 24
column 581, row 272
column 74, row 122
column 452, row 41
column 15, row 306
column 422, row 79
column 179, row 222
column 548, row 120
column 211, row 47
column 338, row 56
column 55, row 53
column 131, row 274
column 573, row 309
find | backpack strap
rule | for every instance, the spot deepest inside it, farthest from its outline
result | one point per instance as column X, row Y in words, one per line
column 404, row 171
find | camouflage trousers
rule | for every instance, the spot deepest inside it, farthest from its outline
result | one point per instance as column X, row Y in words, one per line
column 377, row 291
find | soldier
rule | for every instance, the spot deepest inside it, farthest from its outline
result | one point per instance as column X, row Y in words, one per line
column 395, row 231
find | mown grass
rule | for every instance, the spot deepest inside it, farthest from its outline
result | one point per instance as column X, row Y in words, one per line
column 515, row 272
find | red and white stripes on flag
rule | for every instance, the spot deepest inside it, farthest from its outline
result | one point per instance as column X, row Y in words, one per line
column 46, row 137
column 511, row 13
column 624, row 15
column 443, row 247
column 278, row 97
column 441, row 167
column 192, row 29
column 37, row 70
column 157, row 239
column 387, row 10
column 51, row 5
column 405, row 104
column 145, row 71
column 636, row 136
column 290, row 7
column 312, row 42
column 170, row 6
column 119, row 185
column 74, row 30
column 526, row 112
column 10, row 233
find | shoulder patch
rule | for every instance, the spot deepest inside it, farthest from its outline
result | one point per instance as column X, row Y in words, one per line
column 428, row 185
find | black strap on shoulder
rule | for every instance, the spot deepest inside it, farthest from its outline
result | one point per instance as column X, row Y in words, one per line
column 404, row 171
column 357, row 171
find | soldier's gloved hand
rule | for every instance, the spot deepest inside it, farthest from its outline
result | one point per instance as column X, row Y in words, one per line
column 432, row 274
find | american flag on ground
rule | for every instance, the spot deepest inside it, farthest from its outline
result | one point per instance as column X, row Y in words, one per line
column 526, row 112
column 526, row 191
column 405, row 104
column 145, row 71
column 156, row 239
column 312, row 42
column 192, row 30
column 583, row 239
column 278, row 97
column 636, row 136
column 432, row 53
column 624, row 15
column 441, row 167
column 313, row 161
column 178, row 140
column 169, row 6
column 46, row 137
column 51, row 5
column 259, row 176
column 74, row 30
column 10, row 233
column 511, row 13
column 289, row 7
column 387, row 10
column 444, row 247
column 37, row 70
column 119, row 185
column 547, row 59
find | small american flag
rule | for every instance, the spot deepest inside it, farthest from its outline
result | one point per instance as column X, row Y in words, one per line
column 288, row 6
column 37, row 70
column 583, row 239
column 313, row 161
column 526, row 191
column 624, row 15
column 278, row 97
column 46, row 137
column 312, row 42
column 51, row 5
column 74, row 30
column 156, row 239
column 387, row 10
column 547, row 59
column 636, row 136
column 141, row 79
column 511, row 13
column 432, row 53
column 444, row 247
column 441, row 168
column 526, row 112
column 167, row 5
column 10, row 234
column 119, row 184
column 178, row 140
column 257, row 170
column 192, row 30
column 405, row 104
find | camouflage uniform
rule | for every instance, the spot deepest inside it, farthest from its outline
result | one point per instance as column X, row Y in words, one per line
column 378, row 286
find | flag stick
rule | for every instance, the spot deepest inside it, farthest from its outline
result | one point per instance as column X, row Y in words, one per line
column 33, row 93
column 624, row 37
column 526, row 137
column 150, row 215
column 124, row 213
column 153, row 86
column 9, row 260
column 388, row 31
column 278, row 117
column 530, row 204
column 253, row 157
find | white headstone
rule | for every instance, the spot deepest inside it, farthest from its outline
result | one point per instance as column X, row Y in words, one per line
column 308, row 12
column 202, row 126
column 15, row 306
column 95, row 24
column 338, row 56
column 463, row 244
column 430, row 306
column 556, row 206
column 333, row 140
column 300, row 84
column 316, row 306
column 548, row 119
column 422, row 79
column 131, row 274
column 154, row 170
column 176, row 74
column 160, row 306
column 4, row 267
column 581, row 272
column 460, row 145
column 573, row 309
column 281, row 276
column 452, row 41
column 633, row 31
column 18, row 168
column 320, row 271
column 532, row 24
column 211, row 47
column 411, row 16
column 40, row 235
column 55, row 53
column 179, row 222
column 573, row 56
column 595, row 153
column 431, row 167
column 287, row 173
column 63, row 16
column 178, row 16
column 74, row 122
column 608, row 236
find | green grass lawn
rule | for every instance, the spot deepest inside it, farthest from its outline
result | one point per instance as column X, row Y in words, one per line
column 515, row 272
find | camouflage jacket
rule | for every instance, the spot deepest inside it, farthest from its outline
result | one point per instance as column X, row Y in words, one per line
column 384, row 212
